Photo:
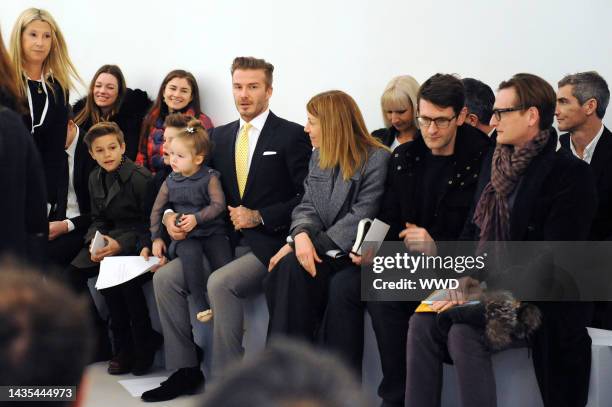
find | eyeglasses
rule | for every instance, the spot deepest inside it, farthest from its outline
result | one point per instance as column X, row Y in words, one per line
column 440, row 122
column 498, row 112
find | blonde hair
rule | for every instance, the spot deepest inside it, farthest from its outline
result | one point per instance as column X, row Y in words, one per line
column 345, row 140
column 400, row 94
column 57, row 65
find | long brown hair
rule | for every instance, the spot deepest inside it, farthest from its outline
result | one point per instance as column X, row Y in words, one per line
column 91, row 111
column 345, row 140
column 160, row 108
column 57, row 65
column 9, row 94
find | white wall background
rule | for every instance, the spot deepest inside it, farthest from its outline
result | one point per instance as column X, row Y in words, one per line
column 316, row 45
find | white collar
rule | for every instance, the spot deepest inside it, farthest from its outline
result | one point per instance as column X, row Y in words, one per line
column 589, row 150
column 72, row 147
column 257, row 122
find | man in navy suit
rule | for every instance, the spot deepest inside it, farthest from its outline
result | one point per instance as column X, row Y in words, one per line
column 69, row 218
column 263, row 161
column 582, row 99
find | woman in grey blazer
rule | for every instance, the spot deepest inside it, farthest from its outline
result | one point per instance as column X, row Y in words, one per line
column 345, row 183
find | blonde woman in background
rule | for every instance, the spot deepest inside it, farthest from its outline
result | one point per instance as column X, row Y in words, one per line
column 398, row 104
column 44, row 74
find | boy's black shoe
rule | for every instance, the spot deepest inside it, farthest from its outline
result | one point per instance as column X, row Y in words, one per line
column 120, row 364
column 144, row 357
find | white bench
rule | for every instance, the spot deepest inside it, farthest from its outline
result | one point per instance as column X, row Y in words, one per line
column 600, row 386
column 514, row 374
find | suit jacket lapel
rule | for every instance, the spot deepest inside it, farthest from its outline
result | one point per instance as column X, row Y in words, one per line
column 63, row 187
column 340, row 193
column 602, row 155
column 79, row 169
column 529, row 187
column 112, row 191
column 121, row 177
column 232, row 180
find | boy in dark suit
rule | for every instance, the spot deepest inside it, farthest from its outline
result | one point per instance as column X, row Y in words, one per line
column 117, row 189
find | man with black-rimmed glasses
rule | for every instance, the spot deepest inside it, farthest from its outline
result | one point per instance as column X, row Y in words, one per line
column 430, row 185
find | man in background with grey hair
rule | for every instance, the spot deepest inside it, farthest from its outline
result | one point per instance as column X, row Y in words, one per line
column 582, row 99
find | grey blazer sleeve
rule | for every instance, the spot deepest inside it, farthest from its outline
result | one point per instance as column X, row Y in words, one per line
column 365, row 200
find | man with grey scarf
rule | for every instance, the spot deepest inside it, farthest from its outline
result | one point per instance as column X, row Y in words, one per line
column 527, row 191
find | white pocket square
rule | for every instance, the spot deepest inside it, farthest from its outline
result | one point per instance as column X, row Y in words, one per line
column 269, row 153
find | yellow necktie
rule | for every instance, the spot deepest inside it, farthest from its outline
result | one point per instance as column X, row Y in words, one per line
column 242, row 157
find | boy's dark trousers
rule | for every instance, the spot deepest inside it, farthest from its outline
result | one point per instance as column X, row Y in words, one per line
column 129, row 315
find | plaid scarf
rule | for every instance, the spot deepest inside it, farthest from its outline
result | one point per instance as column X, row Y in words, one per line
column 492, row 214
column 151, row 149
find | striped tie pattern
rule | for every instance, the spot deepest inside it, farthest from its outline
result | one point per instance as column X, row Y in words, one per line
column 242, row 157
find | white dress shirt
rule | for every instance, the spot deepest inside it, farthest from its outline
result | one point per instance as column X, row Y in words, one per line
column 72, row 207
column 256, row 126
column 589, row 150
column 395, row 144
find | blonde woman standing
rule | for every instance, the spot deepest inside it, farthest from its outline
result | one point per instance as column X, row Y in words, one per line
column 44, row 74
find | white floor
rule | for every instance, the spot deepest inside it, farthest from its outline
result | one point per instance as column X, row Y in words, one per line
column 104, row 390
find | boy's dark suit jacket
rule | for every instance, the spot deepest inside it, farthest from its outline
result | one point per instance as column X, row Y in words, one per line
column 118, row 213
